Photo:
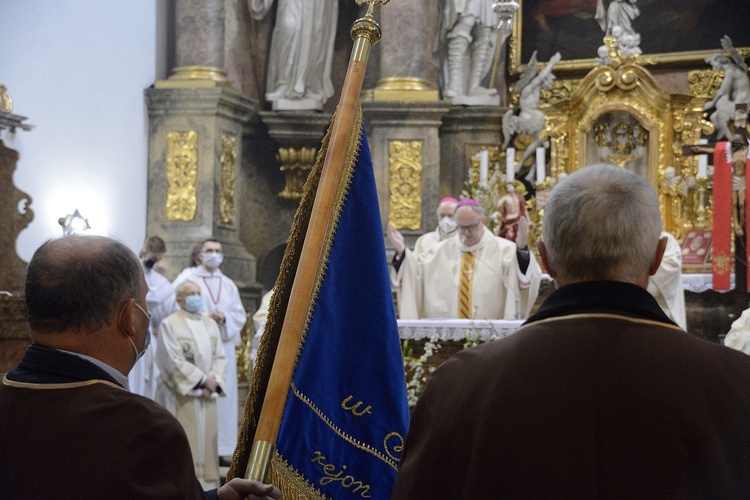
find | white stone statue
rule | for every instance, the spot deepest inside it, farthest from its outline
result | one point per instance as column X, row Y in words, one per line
column 299, row 65
column 467, row 42
column 734, row 89
column 530, row 120
column 618, row 13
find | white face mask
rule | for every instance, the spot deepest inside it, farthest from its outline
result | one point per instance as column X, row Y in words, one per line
column 447, row 225
column 212, row 259
column 147, row 342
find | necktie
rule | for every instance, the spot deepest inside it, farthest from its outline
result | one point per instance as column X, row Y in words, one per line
column 464, row 285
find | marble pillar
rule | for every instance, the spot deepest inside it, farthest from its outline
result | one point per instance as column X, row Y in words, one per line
column 465, row 130
column 195, row 146
column 405, row 151
column 406, row 69
column 199, row 34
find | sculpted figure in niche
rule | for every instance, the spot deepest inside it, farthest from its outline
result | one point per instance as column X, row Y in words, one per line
column 530, row 120
column 734, row 89
column 299, row 65
column 467, row 38
column 618, row 13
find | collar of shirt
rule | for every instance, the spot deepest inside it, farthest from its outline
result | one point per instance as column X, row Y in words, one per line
column 601, row 296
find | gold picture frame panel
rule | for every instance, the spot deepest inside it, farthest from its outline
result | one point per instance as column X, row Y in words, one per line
column 687, row 58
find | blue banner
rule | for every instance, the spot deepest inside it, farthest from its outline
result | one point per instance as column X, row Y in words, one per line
column 346, row 414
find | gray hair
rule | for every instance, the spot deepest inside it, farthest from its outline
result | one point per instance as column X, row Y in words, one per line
column 602, row 222
column 477, row 209
column 76, row 282
column 180, row 289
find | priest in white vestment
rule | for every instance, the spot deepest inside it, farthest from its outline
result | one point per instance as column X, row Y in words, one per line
column 446, row 228
column 666, row 284
column 739, row 333
column 222, row 303
column 142, row 379
column 477, row 275
column 191, row 361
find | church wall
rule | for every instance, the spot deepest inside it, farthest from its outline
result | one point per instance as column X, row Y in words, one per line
column 77, row 70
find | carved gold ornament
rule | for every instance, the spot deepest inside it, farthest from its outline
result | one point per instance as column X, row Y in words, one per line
column 182, row 175
column 228, row 160
column 296, row 165
column 405, row 202
column 6, row 103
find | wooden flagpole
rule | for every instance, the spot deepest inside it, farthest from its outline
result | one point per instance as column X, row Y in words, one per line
column 365, row 32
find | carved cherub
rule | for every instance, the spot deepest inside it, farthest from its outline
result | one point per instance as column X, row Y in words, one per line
column 734, row 89
column 530, row 120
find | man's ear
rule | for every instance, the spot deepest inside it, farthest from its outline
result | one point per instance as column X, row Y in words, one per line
column 545, row 260
column 126, row 318
column 660, row 248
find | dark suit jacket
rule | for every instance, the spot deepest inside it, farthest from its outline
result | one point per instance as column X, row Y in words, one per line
column 67, row 430
column 599, row 395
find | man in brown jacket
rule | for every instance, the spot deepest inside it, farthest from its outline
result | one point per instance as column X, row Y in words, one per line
column 69, row 427
column 597, row 395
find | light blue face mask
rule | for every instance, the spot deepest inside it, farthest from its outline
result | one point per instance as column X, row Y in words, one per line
column 193, row 303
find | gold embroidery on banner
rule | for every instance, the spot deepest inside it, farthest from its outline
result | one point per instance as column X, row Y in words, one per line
column 397, row 448
column 228, row 160
column 331, row 475
column 182, row 175
column 292, row 484
column 405, row 202
column 354, row 442
column 353, row 409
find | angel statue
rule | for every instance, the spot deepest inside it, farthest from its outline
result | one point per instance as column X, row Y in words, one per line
column 734, row 89
column 530, row 120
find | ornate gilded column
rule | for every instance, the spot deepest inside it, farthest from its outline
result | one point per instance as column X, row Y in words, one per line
column 406, row 158
column 195, row 146
column 407, row 72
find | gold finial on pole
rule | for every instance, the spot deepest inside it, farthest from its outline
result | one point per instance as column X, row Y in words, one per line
column 371, row 5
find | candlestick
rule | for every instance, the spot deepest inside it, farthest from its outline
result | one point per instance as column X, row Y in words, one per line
column 510, row 160
column 484, row 165
column 540, row 163
column 702, row 162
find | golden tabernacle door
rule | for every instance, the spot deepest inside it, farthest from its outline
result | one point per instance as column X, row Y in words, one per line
column 619, row 114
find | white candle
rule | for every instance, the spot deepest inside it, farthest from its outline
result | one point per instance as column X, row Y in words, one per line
column 484, row 166
column 540, row 161
column 510, row 160
column 702, row 162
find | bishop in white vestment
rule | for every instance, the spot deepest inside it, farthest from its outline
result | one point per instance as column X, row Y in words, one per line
column 477, row 275
column 221, row 301
column 191, row 361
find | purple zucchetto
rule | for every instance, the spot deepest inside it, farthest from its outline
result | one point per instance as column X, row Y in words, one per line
column 468, row 202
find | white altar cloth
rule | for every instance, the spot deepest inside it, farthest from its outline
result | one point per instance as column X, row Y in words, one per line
column 700, row 282
column 456, row 329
